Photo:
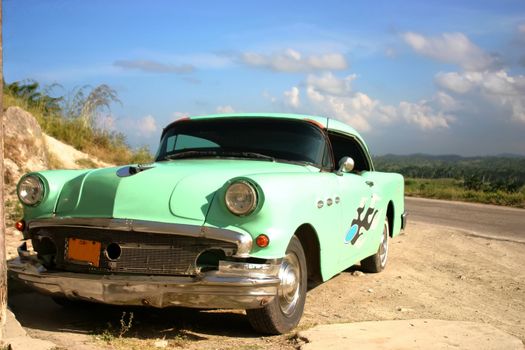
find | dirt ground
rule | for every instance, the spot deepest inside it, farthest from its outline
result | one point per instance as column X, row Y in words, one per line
column 433, row 272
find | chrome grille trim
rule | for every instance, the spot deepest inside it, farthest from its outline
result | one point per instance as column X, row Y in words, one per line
column 141, row 253
column 244, row 242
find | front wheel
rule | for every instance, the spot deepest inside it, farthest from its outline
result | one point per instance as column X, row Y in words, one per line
column 284, row 312
column 377, row 262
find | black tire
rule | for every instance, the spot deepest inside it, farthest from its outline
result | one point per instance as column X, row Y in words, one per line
column 284, row 312
column 377, row 262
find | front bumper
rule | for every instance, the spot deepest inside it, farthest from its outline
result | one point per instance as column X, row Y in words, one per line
column 234, row 285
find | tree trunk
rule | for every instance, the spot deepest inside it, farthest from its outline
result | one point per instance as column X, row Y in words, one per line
column 3, row 271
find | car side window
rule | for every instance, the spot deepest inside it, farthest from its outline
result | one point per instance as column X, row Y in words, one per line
column 343, row 146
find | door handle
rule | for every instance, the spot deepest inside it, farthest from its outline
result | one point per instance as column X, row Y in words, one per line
column 369, row 183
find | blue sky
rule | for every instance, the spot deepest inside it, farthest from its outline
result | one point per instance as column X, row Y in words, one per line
column 412, row 76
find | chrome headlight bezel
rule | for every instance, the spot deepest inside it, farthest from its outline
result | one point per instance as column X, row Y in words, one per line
column 30, row 190
column 241, row 188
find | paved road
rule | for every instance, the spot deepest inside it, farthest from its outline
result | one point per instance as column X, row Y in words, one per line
column 481, row 219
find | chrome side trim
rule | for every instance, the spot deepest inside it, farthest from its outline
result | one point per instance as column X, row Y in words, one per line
column 243, row 241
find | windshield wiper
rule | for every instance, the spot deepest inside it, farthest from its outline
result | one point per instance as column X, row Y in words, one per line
column 190, row 154
column 218, row 153
column 255, row 155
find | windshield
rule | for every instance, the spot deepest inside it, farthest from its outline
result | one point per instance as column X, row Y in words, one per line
column 259, row 138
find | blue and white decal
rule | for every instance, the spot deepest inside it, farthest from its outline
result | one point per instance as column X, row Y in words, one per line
column 362, row 223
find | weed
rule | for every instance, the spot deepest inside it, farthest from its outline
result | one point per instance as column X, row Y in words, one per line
column 52, row 161
column 106, row 335
column 111, row 334
column 86, row 163
column 125, row 326
column 13, row 211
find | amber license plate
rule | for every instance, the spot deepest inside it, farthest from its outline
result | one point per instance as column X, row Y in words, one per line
column 83, row 251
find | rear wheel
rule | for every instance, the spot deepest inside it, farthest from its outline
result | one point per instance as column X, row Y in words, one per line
column 377, row 262
column 284, row 312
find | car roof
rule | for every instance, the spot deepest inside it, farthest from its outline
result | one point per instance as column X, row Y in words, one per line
column 327, row 123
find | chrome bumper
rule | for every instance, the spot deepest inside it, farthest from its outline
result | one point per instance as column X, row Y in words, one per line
column 235, row 285
column 404, row 220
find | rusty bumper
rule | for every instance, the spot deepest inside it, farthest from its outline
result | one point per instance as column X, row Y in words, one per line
column 234, row 285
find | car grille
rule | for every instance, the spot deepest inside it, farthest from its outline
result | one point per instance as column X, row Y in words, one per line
column 141, row 253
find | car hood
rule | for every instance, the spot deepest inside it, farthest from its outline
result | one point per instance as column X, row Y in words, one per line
column 175, row 191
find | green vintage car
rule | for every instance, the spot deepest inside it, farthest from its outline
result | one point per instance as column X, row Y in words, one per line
column 237, row 211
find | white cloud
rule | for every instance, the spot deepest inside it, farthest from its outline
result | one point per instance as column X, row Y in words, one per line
column 423, row 115
column 147, row 125
column 329, row 83
column 293, row 61
column 225, row 109
column 385, row 113
column 292, row 97
column 497, row 87
column 142, row 128
column 445, row 101
column 151, row 66
column 506, row 91
column 314, row 95
column 479, row 81
column 333, row 96
column 457, row 82
column 453, row 48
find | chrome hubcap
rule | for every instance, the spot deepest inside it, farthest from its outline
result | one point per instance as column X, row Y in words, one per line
column 383, row 248
column 290, row 276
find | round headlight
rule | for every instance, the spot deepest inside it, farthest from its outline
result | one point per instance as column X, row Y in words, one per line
column 241, row 198
column 30, row 190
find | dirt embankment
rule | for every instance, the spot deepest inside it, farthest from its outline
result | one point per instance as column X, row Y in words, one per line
column 432, row 273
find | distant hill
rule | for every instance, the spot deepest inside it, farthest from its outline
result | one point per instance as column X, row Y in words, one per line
column 447, row 157
column 507, row 168
column 510, row 155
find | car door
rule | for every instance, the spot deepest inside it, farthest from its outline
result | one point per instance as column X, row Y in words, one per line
column 358, row 213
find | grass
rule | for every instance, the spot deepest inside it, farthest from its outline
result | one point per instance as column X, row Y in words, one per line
column 86, row 163
column 13, row 211
column 108, row 146
column 452, row 189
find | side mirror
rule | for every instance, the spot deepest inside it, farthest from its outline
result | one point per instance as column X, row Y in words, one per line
column 346, row 165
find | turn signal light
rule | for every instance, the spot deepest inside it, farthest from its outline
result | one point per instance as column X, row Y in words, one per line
column 20, row 225
column 262, row 240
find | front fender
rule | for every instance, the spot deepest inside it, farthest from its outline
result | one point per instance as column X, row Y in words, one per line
column 286, row 201
column 53, row 183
